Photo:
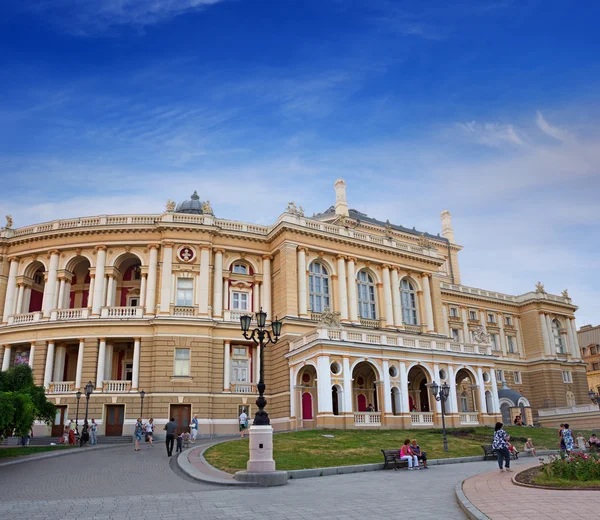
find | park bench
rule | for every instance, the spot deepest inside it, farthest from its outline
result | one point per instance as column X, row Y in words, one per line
column 490, row 453
column 393, row 457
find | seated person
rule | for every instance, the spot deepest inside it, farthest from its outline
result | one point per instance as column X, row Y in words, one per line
column 529, row 447
column 518, row 421
column 407, row 454
column 580, row 442
column 513, row 450
column 594, row 442
column 370, row 408
column 421, row 455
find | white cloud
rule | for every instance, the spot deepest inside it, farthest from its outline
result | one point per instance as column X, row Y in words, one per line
column 492, row 134
column 550, row 130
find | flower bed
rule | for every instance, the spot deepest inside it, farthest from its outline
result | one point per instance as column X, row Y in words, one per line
column 575, row 471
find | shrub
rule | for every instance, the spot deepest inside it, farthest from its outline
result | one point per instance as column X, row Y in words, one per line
column 582, row 467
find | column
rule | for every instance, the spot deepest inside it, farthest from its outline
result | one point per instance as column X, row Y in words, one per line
column 217, row 310
column 256, row 297
column 20, row 295
column 49, row 364
column 324, row 385
column 31, row 354
column 436, row 378
column 6, row 359
column 104, row 290
column 266, row 288
column 113, row 295
column 59, row 364
column 446, row 324
column 61, row 294
column 226, row 294
column 90, row 301
column 143, row 283
column 481, row 384
column 466, row 335
column 99, row 283
column 11, row 289
column 483, row 321
column 26, row 299
column 135, row 373
column 428, row 305
column 50, row 293
column 404, row 387
column 573, row 327
column 352, row 296
column 387, row 388
column 109, row 291
column 520, row 348
column 453, row 404
column 204, row 282
column 108, row 361
column 101, row 360
column 79, row 371
column 348, row 401
column 387, row 298
column 544, row 326
column 292, row 394
column 500, row 319
column 227, row 367
column 495, row 398
column 165, row 279
column 151, row 284
column 342, row 290
column 66, row 302
column 396, row 298
column 302, row 296
column 550, row 335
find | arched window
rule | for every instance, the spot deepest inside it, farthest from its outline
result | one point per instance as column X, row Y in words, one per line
column 464, row 402
column 366, row 296
column 239, row 268
column 489, row 407
column 558, row 341
column 408, row 297
column 318, row 287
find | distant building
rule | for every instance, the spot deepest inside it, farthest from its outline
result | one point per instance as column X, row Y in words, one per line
column 589, row 341
column 373, row 314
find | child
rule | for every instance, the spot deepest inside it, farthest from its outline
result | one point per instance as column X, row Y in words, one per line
column 581, row 442
column 513, row 450
column 529, row 447
column 180, row 442
column 186, row 440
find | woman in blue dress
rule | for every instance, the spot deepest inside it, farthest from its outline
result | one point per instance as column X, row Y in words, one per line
column 567, row 436
column 139, row 428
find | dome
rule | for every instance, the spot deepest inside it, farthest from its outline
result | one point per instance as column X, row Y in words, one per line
column 194, row 205
column 511, row 395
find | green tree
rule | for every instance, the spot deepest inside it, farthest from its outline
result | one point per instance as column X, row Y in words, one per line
column 21, row 402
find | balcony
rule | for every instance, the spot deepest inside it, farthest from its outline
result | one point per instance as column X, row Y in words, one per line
column 23, row 319
column 370, row 324
column 116, row 386
column 567, row 410
column 421, row 418
column 70, row 314
column 367, row 418
column 243, row 388
column 469, row 418
column 185, row 312
column 121, row 313
column 62, row 387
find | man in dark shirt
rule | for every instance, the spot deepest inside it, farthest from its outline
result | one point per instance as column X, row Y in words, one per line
column 171, row 428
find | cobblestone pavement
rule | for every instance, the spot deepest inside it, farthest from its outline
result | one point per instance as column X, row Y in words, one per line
column 121, row 484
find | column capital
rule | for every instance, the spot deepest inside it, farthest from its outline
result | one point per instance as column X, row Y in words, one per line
column 341, row 257
column 53, row 252
column 267, row 257
column 50, row 342
column 351, row 259
column 100, row 248
column 137, row 339
column 13, row 259
column 379, row 284
column 219, row 251
column 168, row 245
column 205, row 248
column 153, row 246
column 386, row 266
column 395, row 268
column 303, row 248
column 81, row 340
column 334, row 276
column 102, row 340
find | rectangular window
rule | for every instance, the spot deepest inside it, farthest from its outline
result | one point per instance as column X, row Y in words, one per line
column 455, row 335
column 491, row 318
column 508, row 320
column 594, row 366
column 494, row 341
column 239, row 301
column 517, row 377
column 510, row 343
column 567, row 377
column 454, row 312
column 240, row 351
column 182, row 362
column 240, row 370
column 499, row 376
column 240, row 269
column 473, row 315
column 185, row 292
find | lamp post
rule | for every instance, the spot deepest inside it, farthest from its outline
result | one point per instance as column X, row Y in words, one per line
column 77, row 396
column 89, row 388
column 142, row 395
column 594, row 397
column 262, row 337
column 441, row 393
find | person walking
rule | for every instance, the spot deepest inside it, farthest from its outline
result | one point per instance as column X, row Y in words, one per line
column 500, row 444
column 139, row 429
column 243, row 419
column 93, row 433
column 560, row 436
column 171, row 428
column 150, row 432
column 567, row 436
column 194, row 427
column 72, row 427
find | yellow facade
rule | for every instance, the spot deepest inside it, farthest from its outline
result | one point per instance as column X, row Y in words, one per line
column 373, row 314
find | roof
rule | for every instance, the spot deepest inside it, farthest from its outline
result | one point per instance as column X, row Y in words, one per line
column 511, row 395
column 363, row 217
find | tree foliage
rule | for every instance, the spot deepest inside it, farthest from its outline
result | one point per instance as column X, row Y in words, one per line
column 21, row 402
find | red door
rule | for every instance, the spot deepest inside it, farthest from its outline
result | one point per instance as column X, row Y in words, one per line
column 182, row 413
column 362, row 402
column 115, row 415
column 58, row 426
column 307, row 413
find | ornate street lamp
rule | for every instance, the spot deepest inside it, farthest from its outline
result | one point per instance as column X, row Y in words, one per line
column 89, row 388
column 77, row 396
column 594, row 397
column 142, row 395
column 261, row 418
column 441, row 395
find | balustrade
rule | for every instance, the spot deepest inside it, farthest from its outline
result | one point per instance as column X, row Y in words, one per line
column 116, row 386
column 565, row 410
column 469, row 418
column 185, row 312
column 421, row 418
column 367, row 418
column 61, row 387
column 243, row 388
column 122, row 312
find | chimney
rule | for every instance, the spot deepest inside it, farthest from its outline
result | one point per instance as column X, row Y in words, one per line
column 341, row 204
column 447, row 230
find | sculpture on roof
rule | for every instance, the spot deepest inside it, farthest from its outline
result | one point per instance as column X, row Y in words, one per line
column 330, row 319
column 565, row 295
column 481, row 336
column 424, row 242
column 291, row 208
column 207, row 208
column 170, row 206
column 388, row 227
column 9, row 222
column 539, row 288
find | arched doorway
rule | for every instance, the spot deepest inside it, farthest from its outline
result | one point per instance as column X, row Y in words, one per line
column 335, row 399
column 418, row 391
column 396, row 401
column 465, row 390
column 33, row 295
column 505, row 410
column 127, row 283
column 364, row 387
column 306, row 385
column 307, row 406
column 489, row 406
column 79, row 288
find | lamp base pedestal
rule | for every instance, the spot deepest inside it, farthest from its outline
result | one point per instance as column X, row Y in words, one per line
column 261, row 466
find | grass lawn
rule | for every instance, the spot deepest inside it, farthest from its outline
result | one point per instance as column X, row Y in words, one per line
column 547, row 480
column 309, row 449
column 19, row 451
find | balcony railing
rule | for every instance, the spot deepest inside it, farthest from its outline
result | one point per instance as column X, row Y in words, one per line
column 243, row 388
column 185, row 312
column 70, row 314
column 469, row 418
column 421, row 418
column 370, row 324
column 116, row 386
column 62, row 387
column 20, row 319
column 367, row 418
column 564, row 410
column 122, row 312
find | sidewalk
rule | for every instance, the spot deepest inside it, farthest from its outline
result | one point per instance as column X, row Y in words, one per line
column 51, row 454
column 495, row 495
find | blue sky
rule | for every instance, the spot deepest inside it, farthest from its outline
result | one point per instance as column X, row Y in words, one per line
column 488, row 109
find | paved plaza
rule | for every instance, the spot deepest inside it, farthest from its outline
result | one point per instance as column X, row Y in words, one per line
column 119, row 483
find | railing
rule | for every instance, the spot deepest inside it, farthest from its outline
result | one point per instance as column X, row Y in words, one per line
column 243, row 388
column 61, row 387
column 122, row 312
column 116, row 386
column 185, row 312
column 505, row 297
column 469, row 418
column 416, row 329
column 564, row 410
column 370, row 324
column 367, row 418
column 236, row 315
column 20, row 319
column 421, row 418
column 69, row 314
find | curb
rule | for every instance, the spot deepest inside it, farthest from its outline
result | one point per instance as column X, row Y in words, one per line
column 467, row 506
column 515, row 482
column 58, row 453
